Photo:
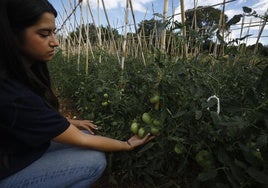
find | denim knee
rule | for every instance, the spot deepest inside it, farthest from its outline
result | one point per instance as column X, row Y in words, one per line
column 101, row 163
column 71, row 168
column 97, row 169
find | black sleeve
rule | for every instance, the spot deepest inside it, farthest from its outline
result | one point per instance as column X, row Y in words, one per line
column 33, row 121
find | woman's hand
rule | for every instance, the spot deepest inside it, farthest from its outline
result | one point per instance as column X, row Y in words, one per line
column 98, row 142
column 72, row 135
column 135, row 140
column 84, row 125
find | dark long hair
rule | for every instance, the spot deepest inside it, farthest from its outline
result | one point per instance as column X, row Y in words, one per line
column 15, row 17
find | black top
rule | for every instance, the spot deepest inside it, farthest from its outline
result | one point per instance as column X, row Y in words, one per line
column 27, row 125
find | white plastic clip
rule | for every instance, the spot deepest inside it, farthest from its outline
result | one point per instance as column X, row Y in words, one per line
column 218, row 102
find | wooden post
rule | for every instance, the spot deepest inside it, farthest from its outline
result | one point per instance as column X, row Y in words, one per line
column 110, row 28
column 222, row 24
column 259, row 35
column 125, row 37
column 163, row 34
column 136, row 29
column 185, row 48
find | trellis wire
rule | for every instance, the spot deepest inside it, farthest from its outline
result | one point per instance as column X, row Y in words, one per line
column 126, row 42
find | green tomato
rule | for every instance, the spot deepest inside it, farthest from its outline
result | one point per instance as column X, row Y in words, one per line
column 258, row 155
column 155, row 131
column 105, row 95
column 114, row 123
column 141, row 132
column 146, row 118
column 105, row 103
column 156, row 122
column 154, row 99
column 204, row 159
column 179, row 149
column 134, row 127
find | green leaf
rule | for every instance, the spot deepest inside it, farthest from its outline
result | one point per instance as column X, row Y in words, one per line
column 240, row 124
column 207, row 175
column 262, row 140
column 244, row 37
column 215, row 117
column 175, row 138
column 179, row 114
column 259, row 176
column 247, row 9
column 249, row 157
column 198, row 114
column 223, row 157
column 262, row 84
column 240, row 164
column 237, row 173
column 146, row 147
column 234, row 20
column 158, row 15
column 232, row 181
column 177, row 25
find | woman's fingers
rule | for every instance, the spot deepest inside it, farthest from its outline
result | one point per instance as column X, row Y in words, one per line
column 92, row 125
column 148, row 137
column 136, row 141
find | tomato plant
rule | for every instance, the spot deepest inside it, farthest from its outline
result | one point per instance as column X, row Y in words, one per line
column 195, row 146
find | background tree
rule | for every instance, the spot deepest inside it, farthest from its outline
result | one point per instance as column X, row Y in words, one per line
column 151, row 29
column 207, row 20
column 92, row 33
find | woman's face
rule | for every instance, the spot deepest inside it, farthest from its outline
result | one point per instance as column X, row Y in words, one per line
column 39, row 42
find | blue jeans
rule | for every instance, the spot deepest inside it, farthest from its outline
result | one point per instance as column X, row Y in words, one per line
column 62, row 166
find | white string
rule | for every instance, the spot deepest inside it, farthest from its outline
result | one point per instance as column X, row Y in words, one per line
column 218, row 102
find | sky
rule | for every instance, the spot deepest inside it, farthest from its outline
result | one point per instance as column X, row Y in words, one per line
column 145, row 9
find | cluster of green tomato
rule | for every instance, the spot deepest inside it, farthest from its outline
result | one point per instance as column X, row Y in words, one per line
column 106, row 102
column 148, row 124
column 203, row 157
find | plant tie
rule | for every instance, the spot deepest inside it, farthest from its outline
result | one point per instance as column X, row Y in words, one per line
column 218, row 102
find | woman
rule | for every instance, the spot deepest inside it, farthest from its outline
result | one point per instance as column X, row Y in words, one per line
column 40, row 147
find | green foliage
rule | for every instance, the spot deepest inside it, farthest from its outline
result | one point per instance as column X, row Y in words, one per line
column 206, row 17
column 196, row 146
column 207, row 20
column 90, row 32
